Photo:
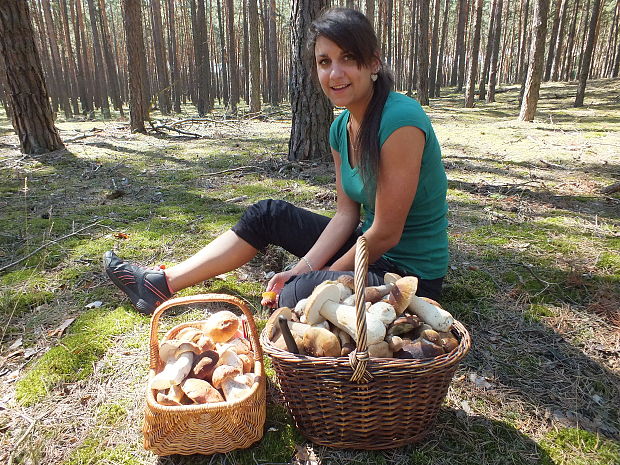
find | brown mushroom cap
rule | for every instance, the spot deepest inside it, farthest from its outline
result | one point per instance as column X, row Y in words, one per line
column 172, row 348
column 221, row 326
column 401, row 294
column 403, row 324
column 272, row 322
column 448, row 341
column 204, row 364
column 200, row 391
column 222, row 373
column 248, row 362
column 320, row 342
column 420, row 349
column 431, row 335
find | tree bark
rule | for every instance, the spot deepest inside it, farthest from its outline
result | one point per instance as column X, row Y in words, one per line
column 224, row 74
column 82, row 62
column 110, row 61
column 486, row 64
column 232, row 57
column 175, row 77
column 587, row 54
column 564, row 72
column 370, row 11
column 422, row 55
column 274, row 82
column 255, row 102
column 523, row 47
column 497, row 29
column 163, row 91
column 537, row 54
column 136, row 56
column 559, row 4
column 555, row 57
column 459, row 52
column 442, row 47
column 70, row 68
column 32, row 116
column 312, row 112
column 472, row 72
column 432, row 74
column 100, row 81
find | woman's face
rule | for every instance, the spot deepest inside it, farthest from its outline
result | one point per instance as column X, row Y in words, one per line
column 342, row 81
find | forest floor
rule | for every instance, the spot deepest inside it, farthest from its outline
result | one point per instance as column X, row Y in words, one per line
column 534, row 276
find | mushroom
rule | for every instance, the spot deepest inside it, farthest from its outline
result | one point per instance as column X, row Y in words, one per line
column 430, row 311
column 347, row 349
column 189, row 334
column 372, row 294
column 395, row 343
column 178, row 357
column 323, row 304
column 287, row 335
column 402, row 292
column 299, row 307
column 224, row 377
column 248, row 362
column 230, row 358
column 320, row 342
column 402, row 325
column 380, row 350
column 221, row 326
column 172, row 397
column 420, row 349
column 431, row 336
column 239, row 345
column 201, row 391
column 204, row 364
column 384, row 311
column 448, row 341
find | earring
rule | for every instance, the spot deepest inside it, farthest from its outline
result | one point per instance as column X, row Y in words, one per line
column 374, row 77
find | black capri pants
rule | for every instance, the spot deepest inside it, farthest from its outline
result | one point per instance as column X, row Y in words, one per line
column 296, row 230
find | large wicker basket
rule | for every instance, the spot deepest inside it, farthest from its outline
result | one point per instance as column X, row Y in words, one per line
column 205, row 428
column 359, row 402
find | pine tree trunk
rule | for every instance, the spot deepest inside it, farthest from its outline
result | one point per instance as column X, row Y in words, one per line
column 224, row 55
column 472, row 72
column 246, row 54
column 136, row 57
column 442, row 47
column 389, row 9
column 175, row 76
column 232, row 57
column 556, row 56
column 57, row 71
column 422, row 55
column 412, row 53
column 523, row 47
column 255, row 101
column 32, row 116
column 486, row 65
column 432, row 74
column 537, row 56
column 163, row 93
column 274, row 82
column 82, row 64
column 564, row 73
column 70, row 57
column 497, row 26
column 370, row 11
column 312, row 112
column 459, row 51
column 110, row 61
column 559, row 4
column 204, row 84
column 100, row 80
column 587, row 54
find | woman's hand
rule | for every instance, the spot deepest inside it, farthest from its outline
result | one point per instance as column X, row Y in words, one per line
column 276, row 283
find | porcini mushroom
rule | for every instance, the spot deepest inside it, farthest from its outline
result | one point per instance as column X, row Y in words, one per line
column 320, row 342
column 437, row 317
column 172, row 397
column 420, row 349
column 323, row 304
column 224, row 378
column 178, row 359
column 221, row 326
column 201, row 391
column 380, row 350
column 204, row 364
column 402, row 292
column 384, row 311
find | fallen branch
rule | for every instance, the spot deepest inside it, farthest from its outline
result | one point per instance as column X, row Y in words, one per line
column 81, row 136
column 182, row 122
column 185, row 133
column 239, row 168
column 38, row 249
column 33, row 422
column 552, row 165
column 611, row 189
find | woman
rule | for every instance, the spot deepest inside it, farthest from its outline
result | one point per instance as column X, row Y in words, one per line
column 388, row 165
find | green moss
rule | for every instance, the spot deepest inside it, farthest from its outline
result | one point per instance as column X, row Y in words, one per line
column 87, row 340
column 111, row 414
column 94, row 452
column 19, row 300
column 578, row 447
column 536, row 312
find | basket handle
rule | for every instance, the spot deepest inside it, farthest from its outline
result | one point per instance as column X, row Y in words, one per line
column 359, row 357
column 200, row 298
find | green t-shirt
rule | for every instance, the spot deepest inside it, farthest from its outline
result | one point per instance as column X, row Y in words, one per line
column 423, row 247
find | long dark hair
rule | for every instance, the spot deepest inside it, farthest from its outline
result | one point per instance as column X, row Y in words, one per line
column 353, row 32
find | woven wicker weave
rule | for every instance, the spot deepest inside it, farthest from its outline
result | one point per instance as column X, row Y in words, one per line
column 205, row 428
column 378, row 404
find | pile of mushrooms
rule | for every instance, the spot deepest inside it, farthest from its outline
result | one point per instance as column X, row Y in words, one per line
column 209, row 362
column 399, row 324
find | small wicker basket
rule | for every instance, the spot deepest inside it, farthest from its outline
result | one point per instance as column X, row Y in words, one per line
column 206, row 428
column 361, row 402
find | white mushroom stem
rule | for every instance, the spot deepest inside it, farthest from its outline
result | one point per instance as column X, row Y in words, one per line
column 236, row 388
column 344, row 317
column 438, row 318
column 174, row 372
column 384, row 311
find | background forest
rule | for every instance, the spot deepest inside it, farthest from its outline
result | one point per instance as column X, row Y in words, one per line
column 148, row 126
